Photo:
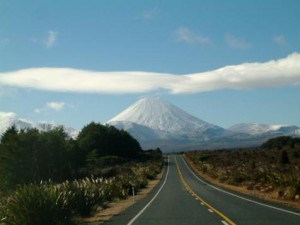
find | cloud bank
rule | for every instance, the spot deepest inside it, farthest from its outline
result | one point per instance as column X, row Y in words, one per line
column 275, row 73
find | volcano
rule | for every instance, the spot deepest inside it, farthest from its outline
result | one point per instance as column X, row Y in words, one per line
column 155, row 122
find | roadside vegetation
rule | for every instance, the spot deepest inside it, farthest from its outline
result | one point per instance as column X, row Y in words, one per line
column 271, row 171
column 49, row 178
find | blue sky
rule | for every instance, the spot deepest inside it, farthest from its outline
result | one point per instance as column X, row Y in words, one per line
column 225, row 62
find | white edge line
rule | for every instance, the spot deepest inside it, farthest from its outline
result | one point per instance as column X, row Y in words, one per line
column 154, row 197
column 224, row 222
column 237, row 196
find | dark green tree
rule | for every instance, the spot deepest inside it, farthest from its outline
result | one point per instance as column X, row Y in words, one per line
column 107, row 140
column 31, row 156
column 8, row 161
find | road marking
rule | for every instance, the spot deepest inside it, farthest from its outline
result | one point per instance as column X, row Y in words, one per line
column 224, row 222
column 204, row 202
column 237, row 196
column 154, row 197
column 210, row 210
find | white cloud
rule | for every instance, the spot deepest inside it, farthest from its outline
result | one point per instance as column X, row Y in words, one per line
column 237, row 42
column 51, row 39
column 274, row 73
column 38, row 110
column 56, row 106
column 185, row 35
column 280, row 40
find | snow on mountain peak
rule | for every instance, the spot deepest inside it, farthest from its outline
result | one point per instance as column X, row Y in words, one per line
column 257, row 129
column 9, row 119
column 7, row 116
column 159, row 114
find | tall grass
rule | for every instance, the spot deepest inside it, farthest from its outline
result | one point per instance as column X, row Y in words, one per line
column 35, row 205
column 48, row 204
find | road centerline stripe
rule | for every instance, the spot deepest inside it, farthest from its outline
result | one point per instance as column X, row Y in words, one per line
column 154, row 197
column 230, row 222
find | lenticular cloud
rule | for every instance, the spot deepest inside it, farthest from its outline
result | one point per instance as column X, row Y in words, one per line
column 275, row 73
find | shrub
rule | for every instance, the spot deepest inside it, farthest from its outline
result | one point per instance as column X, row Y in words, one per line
column 85, row 197
column 35, row 205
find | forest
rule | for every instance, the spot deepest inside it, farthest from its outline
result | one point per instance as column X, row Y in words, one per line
column 50, row 178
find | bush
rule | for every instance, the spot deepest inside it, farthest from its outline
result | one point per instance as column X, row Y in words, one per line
column 35, row 205
column 85, row 197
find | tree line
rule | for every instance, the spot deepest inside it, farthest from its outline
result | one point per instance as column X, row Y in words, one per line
column 30, row 156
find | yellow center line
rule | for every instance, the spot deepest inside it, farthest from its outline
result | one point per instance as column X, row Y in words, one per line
column 201, row 199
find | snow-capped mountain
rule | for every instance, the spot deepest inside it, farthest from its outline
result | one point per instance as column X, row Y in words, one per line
column 159, row 115
column 259, row 129
column 9, row 119
column 157, row 123
column 143, row 133
column 157, row 120
column 162, row 116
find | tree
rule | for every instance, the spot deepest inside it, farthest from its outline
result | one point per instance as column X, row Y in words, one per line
column 31, row 156
column 8, row 162
column 107, row 140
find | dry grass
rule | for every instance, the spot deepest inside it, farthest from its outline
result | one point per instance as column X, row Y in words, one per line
column 213, row 166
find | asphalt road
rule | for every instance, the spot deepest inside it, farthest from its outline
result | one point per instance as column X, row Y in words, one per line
column 183, row 198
